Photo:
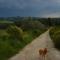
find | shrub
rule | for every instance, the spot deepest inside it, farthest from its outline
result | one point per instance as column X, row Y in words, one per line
column 55, row 35
column 15, row 32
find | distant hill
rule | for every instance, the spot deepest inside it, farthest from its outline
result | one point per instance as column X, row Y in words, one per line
column 46, row 21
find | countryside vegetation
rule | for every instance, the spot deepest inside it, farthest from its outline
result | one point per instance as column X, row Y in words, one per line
column 17, row 32
column 55, row 36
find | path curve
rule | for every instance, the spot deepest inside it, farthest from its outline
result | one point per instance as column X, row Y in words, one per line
column 30, row 52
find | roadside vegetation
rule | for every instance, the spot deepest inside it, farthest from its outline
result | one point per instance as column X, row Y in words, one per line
column 14, row 36
column 55, row 36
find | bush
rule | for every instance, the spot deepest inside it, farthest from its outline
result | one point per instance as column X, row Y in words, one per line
column 15, row 32
column 55, row 35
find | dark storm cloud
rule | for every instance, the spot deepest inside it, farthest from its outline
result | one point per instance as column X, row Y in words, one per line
column 42, row 8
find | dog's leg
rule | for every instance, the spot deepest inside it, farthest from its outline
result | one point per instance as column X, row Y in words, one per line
column 41, row 57
column 44, row 57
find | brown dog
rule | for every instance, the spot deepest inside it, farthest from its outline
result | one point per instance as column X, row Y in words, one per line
column 43, row 52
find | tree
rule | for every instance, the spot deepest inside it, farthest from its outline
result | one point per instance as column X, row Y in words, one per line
column 49, row 21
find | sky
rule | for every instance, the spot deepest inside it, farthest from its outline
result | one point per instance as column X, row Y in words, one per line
column 34, row 8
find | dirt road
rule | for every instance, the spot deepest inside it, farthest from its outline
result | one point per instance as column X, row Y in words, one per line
column 30, row 52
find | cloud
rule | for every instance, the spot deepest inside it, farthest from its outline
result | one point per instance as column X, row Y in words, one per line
column 29, row 7
column 52, row 15
column 12, row 3
column 19, row 4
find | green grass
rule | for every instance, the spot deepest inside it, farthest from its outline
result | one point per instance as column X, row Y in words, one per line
column 1, row 22
column 55, row 36
column 3, row 32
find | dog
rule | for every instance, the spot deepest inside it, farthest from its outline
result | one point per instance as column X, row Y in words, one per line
column 43, row 52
